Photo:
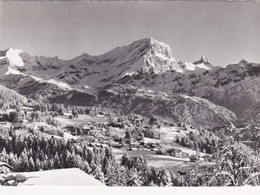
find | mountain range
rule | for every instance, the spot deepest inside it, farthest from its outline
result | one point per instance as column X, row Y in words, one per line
column 143, row 77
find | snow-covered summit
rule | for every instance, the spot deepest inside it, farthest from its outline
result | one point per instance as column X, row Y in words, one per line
column 156, row 47
column 14, row 57
column 11, row 57
column 145, row 55
column 142, row 57
column 139, row 48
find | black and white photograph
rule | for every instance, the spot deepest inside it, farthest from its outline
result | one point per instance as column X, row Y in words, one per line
column 129, row 94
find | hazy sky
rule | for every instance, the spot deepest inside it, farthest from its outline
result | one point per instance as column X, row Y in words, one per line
column 223, row 32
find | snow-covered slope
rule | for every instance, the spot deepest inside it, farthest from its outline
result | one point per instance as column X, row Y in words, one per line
column 9, row 97
column 61, row 178
column 141, row 56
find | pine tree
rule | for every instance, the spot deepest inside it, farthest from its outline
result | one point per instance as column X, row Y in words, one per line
column 57, row 163
column 45, row 163
column 165, row 178
column 176, row 179
column 72, row 160
column 38, row 164
column 23, row 162
column 98, row 174
column 31, row 164
column 3, row 155
column 85, row 167
column 50, row 164
column 134, row 178
column 13, row 160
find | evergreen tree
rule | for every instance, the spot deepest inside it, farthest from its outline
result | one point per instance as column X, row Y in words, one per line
column 23, row 162
column 31, row 165
column 4, row 156
column 165, row 178
column 85, row 167
column 134, row 178
column 38, row 165
column 98, row 174
column 57, row 163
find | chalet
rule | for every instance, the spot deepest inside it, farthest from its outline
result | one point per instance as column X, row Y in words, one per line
column 191, row 132
column 128, row 141
column 182, row 172
column 133, row 149
column 20, row 118
column 27, row 108
column 78, row 129
column 118, row 139
column 117, row 145
column 5, row 168
column 177, row 153
column 86, row 128
column 152, row 145
column 134, row 144
column 194, row 158
column 171, row 124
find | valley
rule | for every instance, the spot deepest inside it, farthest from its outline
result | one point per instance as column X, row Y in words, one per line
column 134, row 116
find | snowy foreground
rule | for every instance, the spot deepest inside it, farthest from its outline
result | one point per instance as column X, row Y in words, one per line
column 60, row 177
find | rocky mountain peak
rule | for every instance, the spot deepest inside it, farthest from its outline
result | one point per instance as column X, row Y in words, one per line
column 155, row 47
column 3, row 53
column 243, row 62
column 203, row 60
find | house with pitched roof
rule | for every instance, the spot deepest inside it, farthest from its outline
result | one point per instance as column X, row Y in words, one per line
column 5, row 168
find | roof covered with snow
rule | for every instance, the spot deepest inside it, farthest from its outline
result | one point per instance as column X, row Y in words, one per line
column 61, row 177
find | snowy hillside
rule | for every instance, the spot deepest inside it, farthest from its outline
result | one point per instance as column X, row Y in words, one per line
column 180, row 108
column 61, row 177
column 9, row 97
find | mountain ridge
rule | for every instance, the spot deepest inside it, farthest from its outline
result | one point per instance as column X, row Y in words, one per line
column 146, row 63
column 145, row 55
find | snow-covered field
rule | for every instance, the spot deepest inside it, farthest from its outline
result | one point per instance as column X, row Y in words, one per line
column 171, row 133
column 168, row 136
column 159, row 161
column 82, row 118
column 60, row 177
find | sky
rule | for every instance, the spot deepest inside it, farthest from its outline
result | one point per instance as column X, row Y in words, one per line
column 225, row 33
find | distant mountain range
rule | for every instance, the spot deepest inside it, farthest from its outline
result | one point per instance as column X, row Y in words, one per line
column 143, row 77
